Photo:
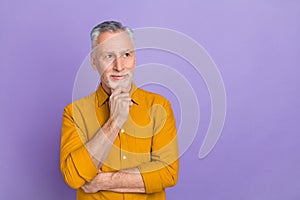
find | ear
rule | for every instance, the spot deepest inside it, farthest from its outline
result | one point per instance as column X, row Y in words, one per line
column 93, row 61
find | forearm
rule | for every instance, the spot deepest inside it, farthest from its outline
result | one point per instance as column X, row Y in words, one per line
column 128, row 190
column 129, row 180
column 100, row 145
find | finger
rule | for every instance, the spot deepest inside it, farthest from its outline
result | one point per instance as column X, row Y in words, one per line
column 122, row 95
column 84, row 188
column 117, row 97
column 118, row 90
column 130, row 103
column 124, row 100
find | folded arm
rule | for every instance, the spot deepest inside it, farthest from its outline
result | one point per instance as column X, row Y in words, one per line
column 148, row 177
column 129, row 180
column 80, row 158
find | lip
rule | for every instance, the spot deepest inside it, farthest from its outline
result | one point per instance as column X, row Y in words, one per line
column 118, row 77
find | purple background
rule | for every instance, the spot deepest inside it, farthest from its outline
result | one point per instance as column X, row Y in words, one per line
column 255, row 45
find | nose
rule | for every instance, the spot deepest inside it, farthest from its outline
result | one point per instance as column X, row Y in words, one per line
column 118, row 64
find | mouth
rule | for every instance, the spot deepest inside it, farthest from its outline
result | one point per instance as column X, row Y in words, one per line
column 118, row 77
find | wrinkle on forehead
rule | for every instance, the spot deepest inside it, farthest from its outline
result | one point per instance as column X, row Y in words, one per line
column 114, row 42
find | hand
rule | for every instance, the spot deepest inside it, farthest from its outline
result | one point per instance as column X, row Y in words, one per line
column 119, row 104
column 98, row 183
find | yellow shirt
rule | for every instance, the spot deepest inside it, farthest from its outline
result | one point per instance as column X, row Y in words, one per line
column 147, row 140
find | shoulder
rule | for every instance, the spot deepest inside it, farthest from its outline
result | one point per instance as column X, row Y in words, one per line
column 82, row 103
column 158, row 106
column 151, row 97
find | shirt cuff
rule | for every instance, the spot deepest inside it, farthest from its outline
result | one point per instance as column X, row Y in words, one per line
column 151, row 179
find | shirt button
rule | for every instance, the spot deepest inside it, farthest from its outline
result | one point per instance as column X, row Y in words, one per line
column 122, row 131
column 124, row 157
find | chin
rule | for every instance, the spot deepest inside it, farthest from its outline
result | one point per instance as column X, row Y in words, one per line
column 123, row 84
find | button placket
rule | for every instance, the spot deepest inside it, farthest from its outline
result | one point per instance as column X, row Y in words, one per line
column 123, row 145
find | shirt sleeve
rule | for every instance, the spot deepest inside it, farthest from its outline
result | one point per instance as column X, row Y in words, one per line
column 76, row 164
column 162, row 171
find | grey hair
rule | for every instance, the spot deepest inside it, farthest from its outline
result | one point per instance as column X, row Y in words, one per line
column 111, row 26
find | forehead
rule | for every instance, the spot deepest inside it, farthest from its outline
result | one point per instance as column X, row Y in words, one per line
column 114, row 41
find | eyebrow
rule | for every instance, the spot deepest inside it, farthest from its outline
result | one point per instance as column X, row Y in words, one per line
column 112, row 52
column 127, row 50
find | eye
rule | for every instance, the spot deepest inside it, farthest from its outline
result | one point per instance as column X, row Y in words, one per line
column 127, row 54
column 108, row 56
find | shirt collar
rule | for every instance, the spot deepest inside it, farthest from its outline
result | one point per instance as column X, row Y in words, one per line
column 102, row 96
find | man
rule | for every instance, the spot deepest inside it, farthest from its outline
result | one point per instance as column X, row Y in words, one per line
column 119, row 142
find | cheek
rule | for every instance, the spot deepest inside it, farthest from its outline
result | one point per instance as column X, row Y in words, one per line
column 105, row 73
column 104, row 68
column 131, row 64
column 104, row 77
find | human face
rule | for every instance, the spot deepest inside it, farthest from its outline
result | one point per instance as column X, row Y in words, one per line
column 114, row 58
